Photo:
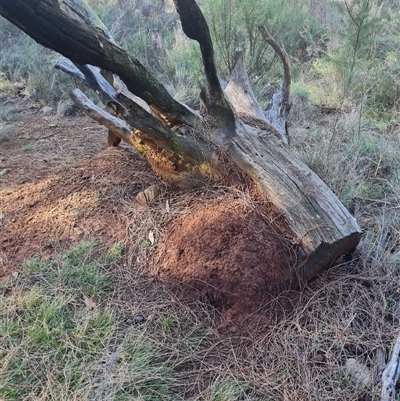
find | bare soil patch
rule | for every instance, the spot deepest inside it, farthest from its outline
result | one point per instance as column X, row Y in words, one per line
column 63, row 185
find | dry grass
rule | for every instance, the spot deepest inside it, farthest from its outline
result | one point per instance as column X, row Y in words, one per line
column 351, row 312
column 93, row 325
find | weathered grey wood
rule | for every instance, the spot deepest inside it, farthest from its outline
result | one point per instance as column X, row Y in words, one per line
column 240, row 94
column 120, row 87
column 185, row 152
column 391, row 374
column 117, row 126
column 137, row 119
column 280, row 104
column 239, row 91
column 99, row 83
column 69, row 67
column 323, row 226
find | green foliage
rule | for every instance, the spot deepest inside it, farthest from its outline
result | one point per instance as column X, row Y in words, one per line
column 46, row 335
column 76, row 271
column 301, row 91
column 360, row 62
column 23, row 60
column 229, row 390
column 115, row 252
column 238, row 28
column 169, row 323
column 150, row 378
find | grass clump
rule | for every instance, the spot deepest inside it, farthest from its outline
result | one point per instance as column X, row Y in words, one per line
column 57, row 334
column 50, row 333
column 65, row 334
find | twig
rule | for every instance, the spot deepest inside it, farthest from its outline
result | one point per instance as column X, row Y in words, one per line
column 50, row 135
column 280, row 105
column 384, row 232
column 107, row 372
column 380, row 360
column 391, row 374
column 378, row 166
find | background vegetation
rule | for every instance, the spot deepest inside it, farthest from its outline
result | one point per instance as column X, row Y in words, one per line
column 66, row 336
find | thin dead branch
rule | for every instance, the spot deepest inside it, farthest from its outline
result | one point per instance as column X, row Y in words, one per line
column 280, row 105
column 391, row 374
column 286, row 65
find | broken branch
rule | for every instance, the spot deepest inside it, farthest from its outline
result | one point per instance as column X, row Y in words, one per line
column 391, row 374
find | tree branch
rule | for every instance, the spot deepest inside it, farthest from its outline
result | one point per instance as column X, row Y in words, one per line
column 280, row 105
column 195, row 27
column 71, row 69
column 92, row 78
column 391, row 374
column 50, row 26
column 286, row 65
column 114, row 124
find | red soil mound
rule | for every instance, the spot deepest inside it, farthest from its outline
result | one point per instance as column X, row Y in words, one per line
column 230, row 255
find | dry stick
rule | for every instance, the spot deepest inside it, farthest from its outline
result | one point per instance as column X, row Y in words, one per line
column 391, row 374
column 112, row 360
column 384, row 232
column 380, row 360
column 280, row 105
column 285, row 61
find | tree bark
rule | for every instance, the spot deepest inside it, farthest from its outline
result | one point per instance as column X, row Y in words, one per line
column 50, row 26
column 391, row 374
column 236, row 140
column 88, row 16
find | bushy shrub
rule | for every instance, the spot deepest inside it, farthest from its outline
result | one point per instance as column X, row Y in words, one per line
column 360, row 63
column 290, row 22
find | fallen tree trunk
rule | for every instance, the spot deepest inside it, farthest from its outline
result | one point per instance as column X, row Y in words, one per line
column 234, row 140
column 323, row 226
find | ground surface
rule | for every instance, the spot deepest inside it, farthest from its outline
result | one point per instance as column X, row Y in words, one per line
column 198, row 268
column 60, row 185
column 230, row 255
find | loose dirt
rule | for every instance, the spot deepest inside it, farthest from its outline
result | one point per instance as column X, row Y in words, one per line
column 61, row 185
column 230, row 256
